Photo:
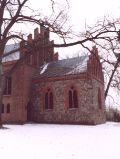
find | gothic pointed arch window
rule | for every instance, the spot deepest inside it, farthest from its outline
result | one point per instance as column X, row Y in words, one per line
column 8, row 86
column 8, row 108
column 73, row 97
column 2, row 108
column 48, row 99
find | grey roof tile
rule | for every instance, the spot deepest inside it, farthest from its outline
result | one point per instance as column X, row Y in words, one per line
column 13, row 56
column 64, row 67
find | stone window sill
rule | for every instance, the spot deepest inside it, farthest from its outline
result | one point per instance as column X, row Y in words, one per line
column 6, row 95
column 73, row 108
column 47, row 110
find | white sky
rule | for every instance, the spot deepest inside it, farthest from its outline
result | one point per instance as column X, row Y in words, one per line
column 79, row 12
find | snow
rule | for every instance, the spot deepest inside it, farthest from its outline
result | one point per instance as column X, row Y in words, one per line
column 44, row 67
column 81, row 67
column 43, row 141
column 14, row 56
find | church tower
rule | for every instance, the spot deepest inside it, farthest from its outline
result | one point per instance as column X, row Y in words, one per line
column 38, row 50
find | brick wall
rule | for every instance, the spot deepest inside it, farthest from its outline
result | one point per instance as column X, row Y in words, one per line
column 19, row 97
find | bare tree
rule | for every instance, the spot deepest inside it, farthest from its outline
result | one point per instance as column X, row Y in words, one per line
column 11, row 14
column 105, row 34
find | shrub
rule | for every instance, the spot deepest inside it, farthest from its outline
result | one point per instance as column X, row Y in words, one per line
column 113, row 114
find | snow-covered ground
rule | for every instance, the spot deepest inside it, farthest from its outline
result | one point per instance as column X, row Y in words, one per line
column 43, row 141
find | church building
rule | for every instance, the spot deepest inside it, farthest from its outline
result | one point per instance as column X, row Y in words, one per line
column 41, row 88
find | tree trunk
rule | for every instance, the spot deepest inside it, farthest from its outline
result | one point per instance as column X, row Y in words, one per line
column 1, row 92
column 110, row 80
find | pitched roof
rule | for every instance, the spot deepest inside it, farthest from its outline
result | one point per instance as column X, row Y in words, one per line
column 14, row 56
column 64, row 67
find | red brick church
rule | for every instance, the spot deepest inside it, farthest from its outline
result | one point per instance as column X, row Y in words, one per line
column 47, row 90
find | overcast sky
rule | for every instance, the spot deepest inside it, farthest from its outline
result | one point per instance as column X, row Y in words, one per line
column 80, row 11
